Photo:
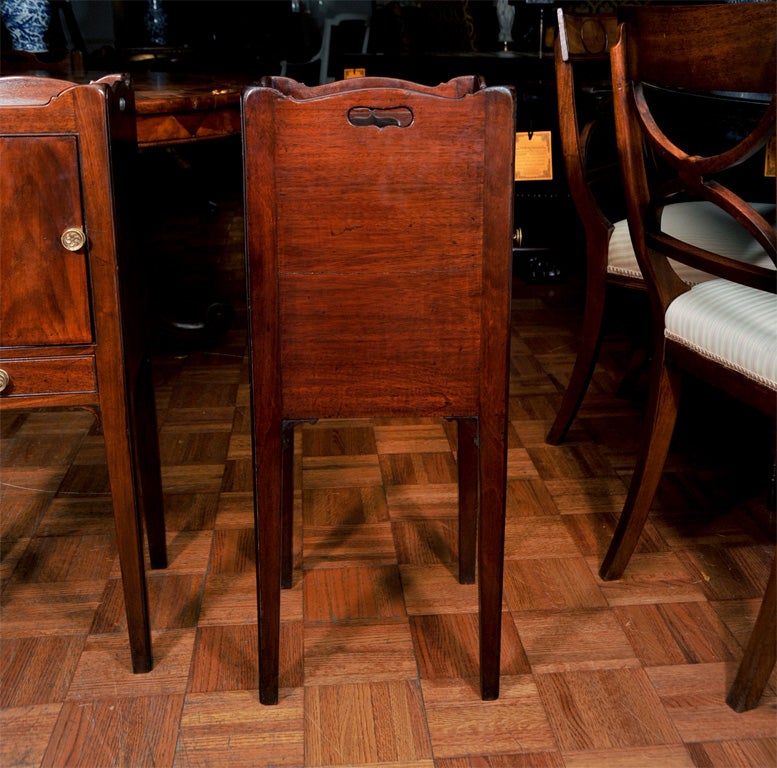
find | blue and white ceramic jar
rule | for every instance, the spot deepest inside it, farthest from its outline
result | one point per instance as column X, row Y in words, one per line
column 27, row 21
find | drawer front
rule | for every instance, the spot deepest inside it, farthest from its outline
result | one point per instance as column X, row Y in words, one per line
column 43, row 260
column 48, row 375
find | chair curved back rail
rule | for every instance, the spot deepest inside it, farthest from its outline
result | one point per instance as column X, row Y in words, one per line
column 379, row 271
column 582, row 49
column 70, row 333
column 723, row 330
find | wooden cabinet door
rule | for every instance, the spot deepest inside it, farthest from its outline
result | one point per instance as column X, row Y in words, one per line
column 44, row 296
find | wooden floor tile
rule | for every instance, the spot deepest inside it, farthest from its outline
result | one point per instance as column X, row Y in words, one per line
column 28, row 450
column 78, row 516
column 426, row 542
column 188, row 478
column 379, row 722
column 343, row 506
column 417, row 468
column 411, row 438
column 233, row 551
column 673, row 756
column 367, row 544
column 677, row 633
column 520, row 465
column 231, row 599
column 358, row 652
column 338, row 594
column 584, row 495
column 105, row 668
column 730, row 572
column 65, row 608
column 193, row 447
column 231, row 728
column 187, row 552
column 551, row 584
column 174, row 602
column 328, row 439
column 37, row 670
column 659, row 577
column 537, row 538
column 115, row 731
column 529, row 498
column 235, row 509
column 26, row 733
column 461, row 724
column 341, row 471
column 238, row 476
column 211, row 419
column 748, row 753
column 22, row 512
column 226, row 658
column 11, row 551
column 693, row 696
column 430, row 589
column 32, row 480
column 66, row 558
column 447, row 646
column 513, row 760
column 574, row 640
column 604, row 709
column 425, row 500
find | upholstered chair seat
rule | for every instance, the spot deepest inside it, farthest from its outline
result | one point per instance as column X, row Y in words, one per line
column 730, row 324
column 700, row 223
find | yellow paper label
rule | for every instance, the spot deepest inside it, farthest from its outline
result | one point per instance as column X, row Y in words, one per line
column 533, row 156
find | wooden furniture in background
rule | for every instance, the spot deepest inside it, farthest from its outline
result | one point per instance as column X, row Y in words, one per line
column 70, row 310
column 723, row 331
column 582, row 52
column 378, row 224
column 174, row 108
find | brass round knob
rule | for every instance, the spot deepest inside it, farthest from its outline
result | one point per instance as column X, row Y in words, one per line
column 73, row 238
column 5, row 379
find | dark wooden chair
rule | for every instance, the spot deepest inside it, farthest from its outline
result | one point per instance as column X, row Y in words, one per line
column 379, row 258
column 723, row 331
column 70, row 332
column 760, row 653
column 582, row 51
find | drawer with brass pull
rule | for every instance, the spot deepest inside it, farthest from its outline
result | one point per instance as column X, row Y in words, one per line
column 29, row 377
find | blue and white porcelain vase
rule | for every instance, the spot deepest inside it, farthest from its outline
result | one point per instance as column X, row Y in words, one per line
column 27, row 22
column 156, row 23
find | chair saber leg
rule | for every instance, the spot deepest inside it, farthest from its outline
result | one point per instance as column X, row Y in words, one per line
column 585, row 363
column 650, row 465
column 760, row 654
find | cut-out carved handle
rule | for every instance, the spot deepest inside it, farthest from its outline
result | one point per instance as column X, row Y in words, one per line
column 381, row 117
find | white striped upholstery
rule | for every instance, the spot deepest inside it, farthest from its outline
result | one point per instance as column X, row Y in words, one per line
column 729, row 323
column 700, row 223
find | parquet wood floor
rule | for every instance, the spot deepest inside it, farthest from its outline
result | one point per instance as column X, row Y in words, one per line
column 379, row 660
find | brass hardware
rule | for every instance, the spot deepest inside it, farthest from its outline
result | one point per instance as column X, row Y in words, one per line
column 518, row 237
column 73, row 238
column 5, row 379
